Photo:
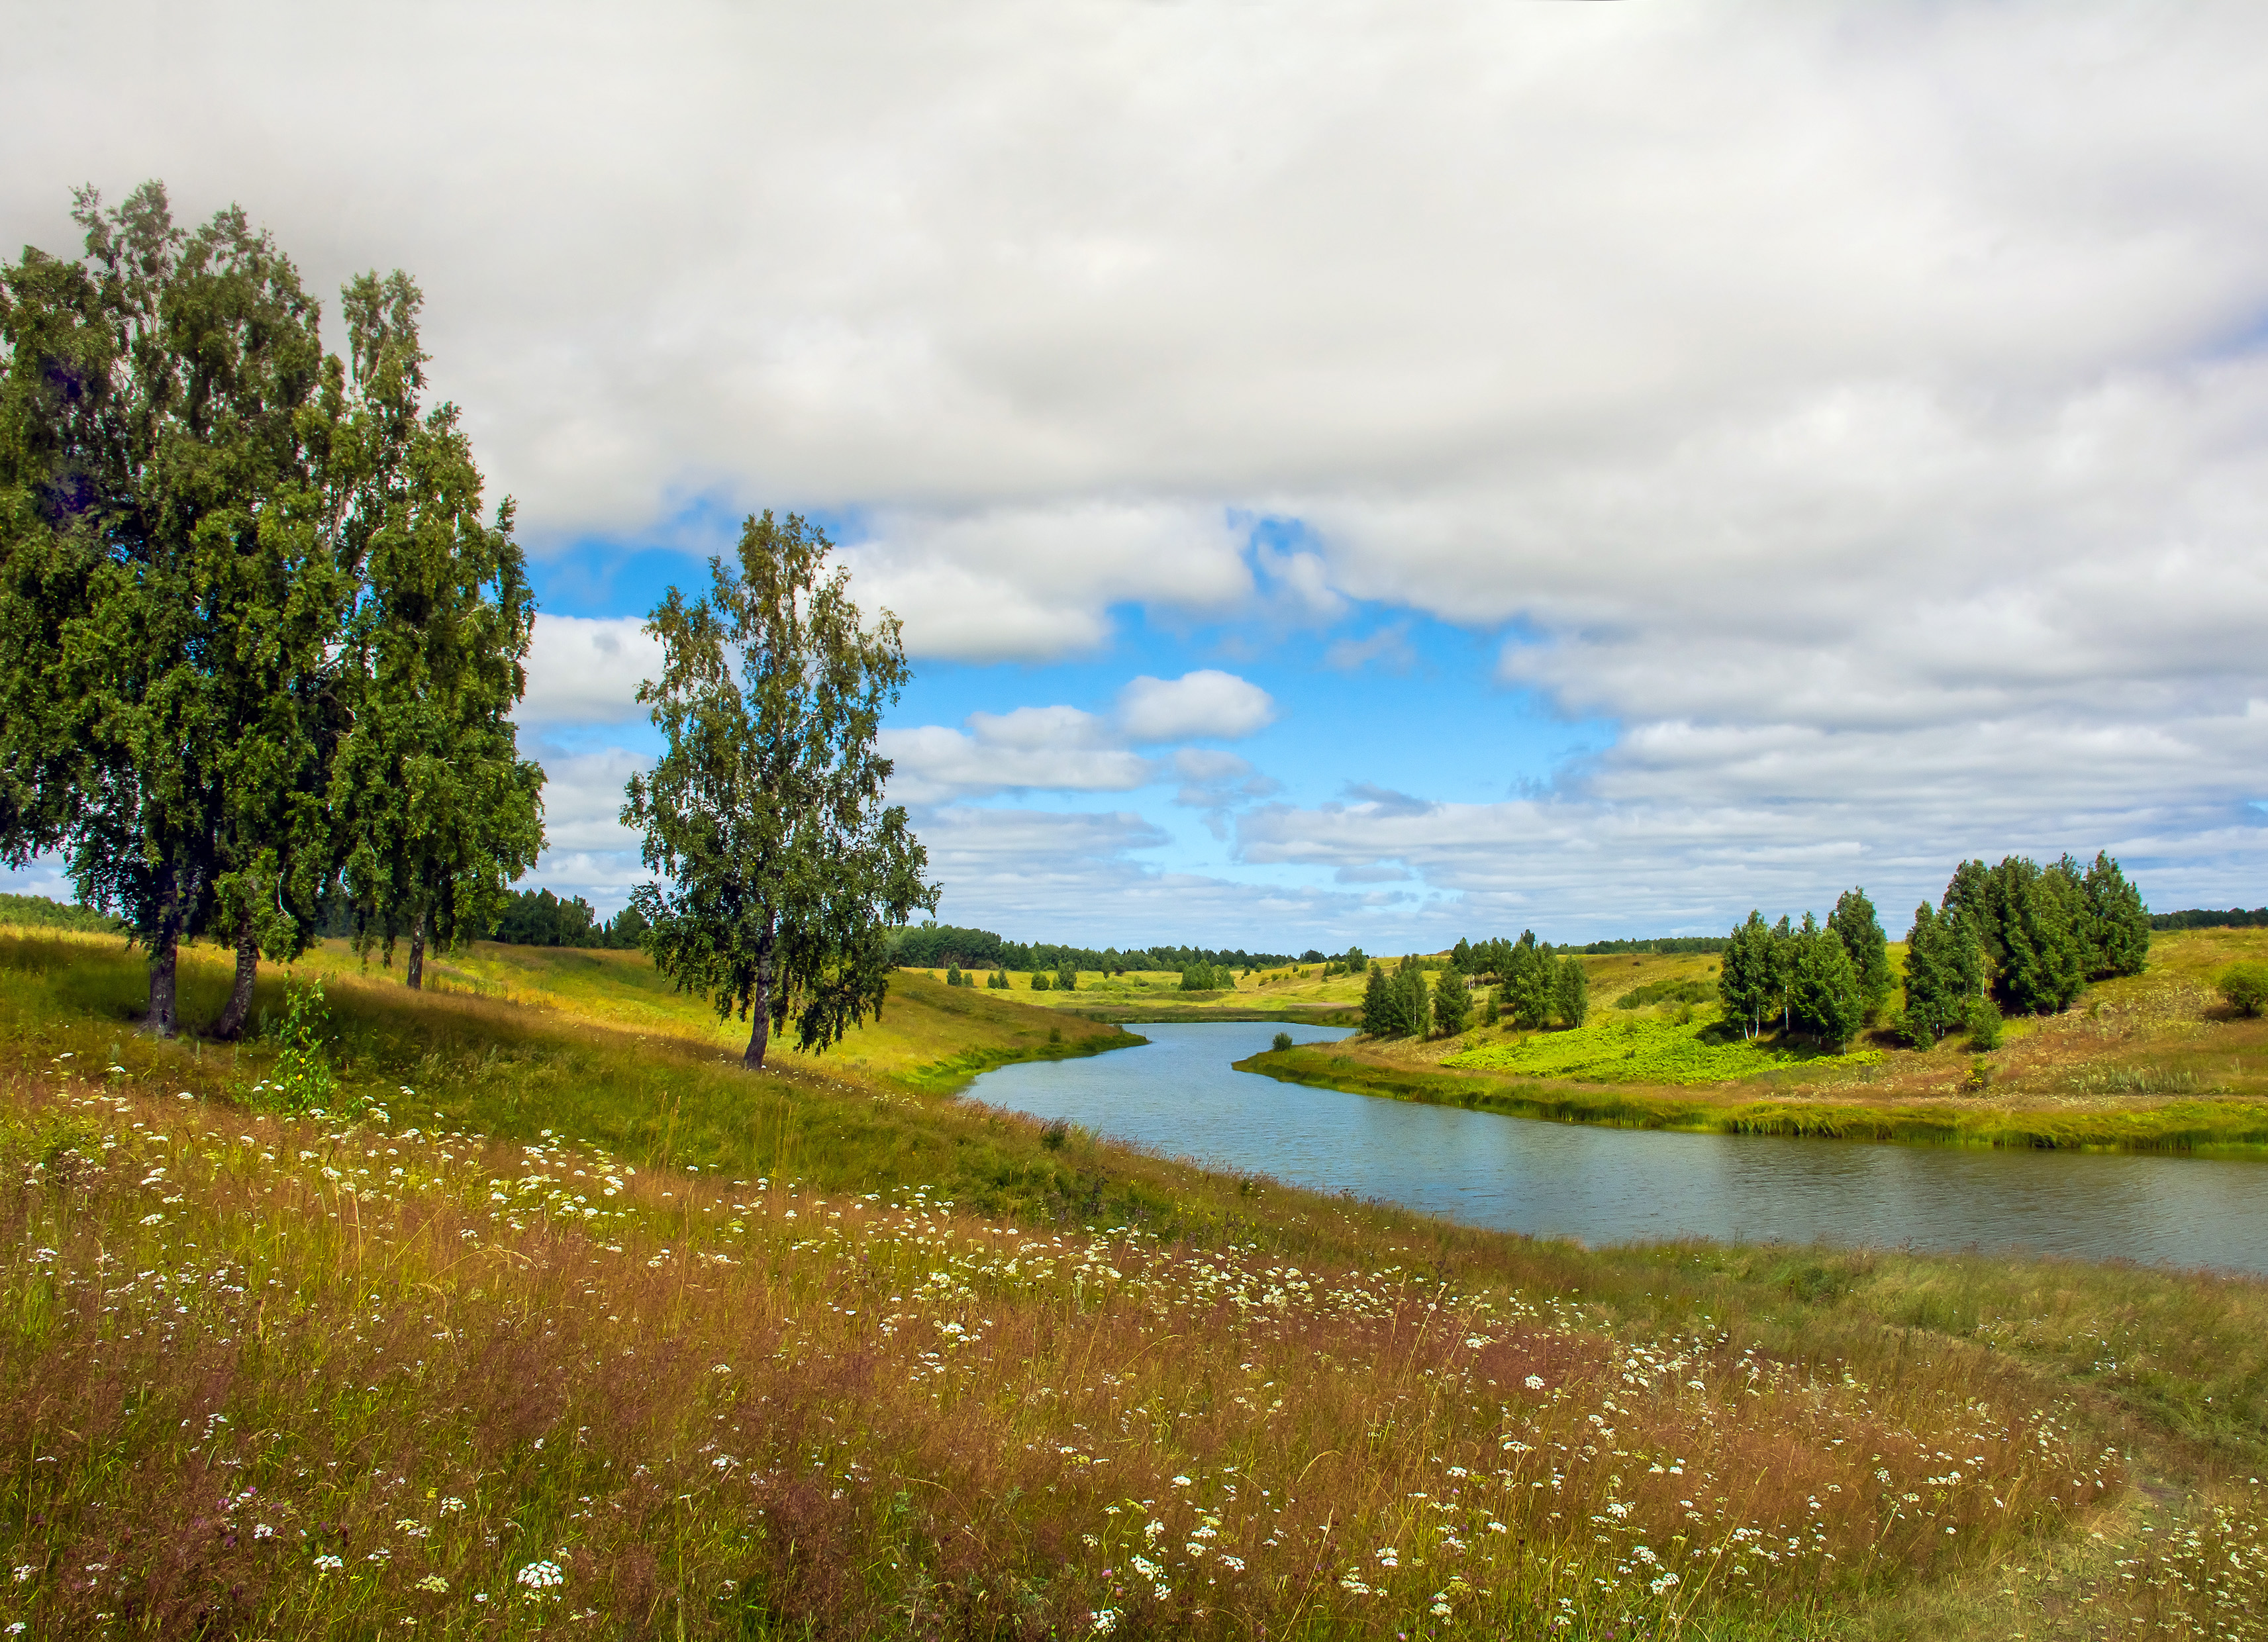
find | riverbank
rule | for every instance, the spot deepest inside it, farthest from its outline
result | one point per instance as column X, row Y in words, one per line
column 2154, row 1062
column 2231, row 1128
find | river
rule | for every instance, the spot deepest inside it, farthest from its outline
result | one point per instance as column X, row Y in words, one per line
column 1179, row 1096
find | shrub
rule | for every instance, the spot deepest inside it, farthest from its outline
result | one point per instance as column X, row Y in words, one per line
column 1687, row 991
column 1984, row 1025
column 2245, row 986
column 302, row 1080
column 1040, row 982
column 1282, row 1041
column 953, row 975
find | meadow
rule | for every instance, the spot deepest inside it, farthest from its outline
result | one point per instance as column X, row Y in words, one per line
column 557, row 1321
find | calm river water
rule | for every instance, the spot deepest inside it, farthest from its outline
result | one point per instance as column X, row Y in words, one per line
column 1177, row 1096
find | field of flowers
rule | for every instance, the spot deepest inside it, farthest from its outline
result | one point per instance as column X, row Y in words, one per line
column 291, row 1377
column 1646, row 1050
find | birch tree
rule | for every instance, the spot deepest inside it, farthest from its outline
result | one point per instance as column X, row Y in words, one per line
column 784, row 869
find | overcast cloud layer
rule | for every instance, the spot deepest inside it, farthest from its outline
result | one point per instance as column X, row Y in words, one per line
column 1861, row 410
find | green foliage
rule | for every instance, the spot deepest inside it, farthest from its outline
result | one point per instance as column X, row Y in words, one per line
column 1985, row 1027
column 931, row 946
column 1861, row 931
column 764, row 812
column 1945, row 967
column 1207, row 978
column 2196, row 919
column 40, row 912
column 1685, row 991
column 1412, row 1003
column 2245, row 987
column 2045, row 931
column 953, row 975
column 1067, row 978
column 1378, row 1014
column 436, row 812
column 1452, row 1003
column 1571, row 992
column 1823, row 985
column 1041, row 981
column 1528, row 977
column 997, row 981
column 1808, row 975
column 302, row 1079
column 1282, row 1040
column 2118, row 923
column 1747, row 988
column 536, row 917
column 175, row 562
column 252, row 628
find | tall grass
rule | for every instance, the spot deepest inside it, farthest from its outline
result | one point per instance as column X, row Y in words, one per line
column 624, row 1343
column 275, row 1377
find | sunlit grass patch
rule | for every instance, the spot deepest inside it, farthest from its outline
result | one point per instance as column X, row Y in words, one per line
column 1637, row 1048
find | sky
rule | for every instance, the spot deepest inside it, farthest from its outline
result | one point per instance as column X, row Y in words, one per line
column 1348, row 472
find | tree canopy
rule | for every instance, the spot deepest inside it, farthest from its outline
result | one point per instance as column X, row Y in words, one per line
column 438, row 812
column 190, row 493
column 764, row 812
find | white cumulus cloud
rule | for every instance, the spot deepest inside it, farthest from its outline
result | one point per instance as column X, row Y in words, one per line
column 1205, row 704
column 587, row 670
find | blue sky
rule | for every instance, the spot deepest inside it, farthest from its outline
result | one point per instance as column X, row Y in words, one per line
column 1362, row 472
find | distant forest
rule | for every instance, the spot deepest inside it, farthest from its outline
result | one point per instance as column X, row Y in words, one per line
column 940, row 945
column 2235, row 919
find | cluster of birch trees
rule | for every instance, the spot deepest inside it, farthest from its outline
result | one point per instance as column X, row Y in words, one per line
column 258, row 638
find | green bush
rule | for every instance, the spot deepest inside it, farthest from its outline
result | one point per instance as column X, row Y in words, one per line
column 1667, row 992
column 38, row 911
column 1282, row 1041
column 2245, row 986
column 1984, row 1025
column 302, row 1080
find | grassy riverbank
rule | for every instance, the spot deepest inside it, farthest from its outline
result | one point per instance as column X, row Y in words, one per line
column 2234, row 1128
column 592, row 1332
column 2152, row 1063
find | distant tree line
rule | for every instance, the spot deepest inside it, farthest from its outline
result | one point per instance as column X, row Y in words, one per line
column 1663, row 944
column 942, row 946
column 40, row 912
column 536, row 917
column 2235, row 919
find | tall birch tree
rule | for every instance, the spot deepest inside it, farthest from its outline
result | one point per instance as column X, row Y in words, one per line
column 765, row 814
